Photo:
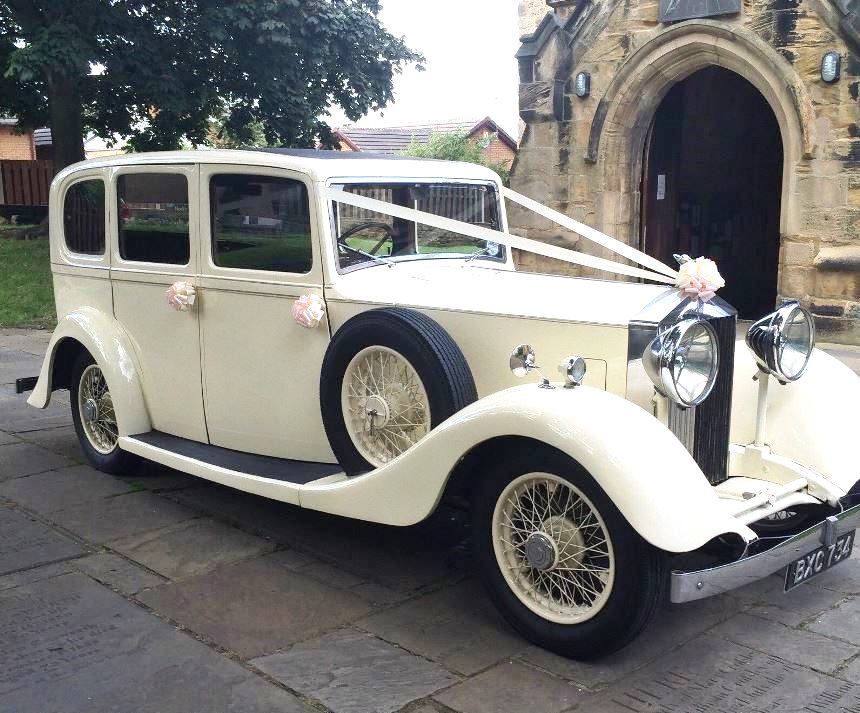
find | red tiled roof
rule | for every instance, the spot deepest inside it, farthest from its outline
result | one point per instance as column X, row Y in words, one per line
column 395, row 139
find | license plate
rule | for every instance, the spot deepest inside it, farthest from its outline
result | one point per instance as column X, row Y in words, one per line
column 814, row 563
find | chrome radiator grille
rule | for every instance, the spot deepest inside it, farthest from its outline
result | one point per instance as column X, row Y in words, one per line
column 711, row 419
column 704, row 430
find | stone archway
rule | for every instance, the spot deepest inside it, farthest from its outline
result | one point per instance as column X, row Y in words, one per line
column 624, row 114
column 712, row 184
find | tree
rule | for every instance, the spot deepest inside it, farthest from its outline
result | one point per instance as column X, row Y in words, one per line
column 458, row 147
column 159, row 71
column 219, row 135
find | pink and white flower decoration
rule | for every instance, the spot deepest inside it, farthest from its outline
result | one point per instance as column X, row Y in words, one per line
column 308, row 310
column 699, row 279
column 181, row 296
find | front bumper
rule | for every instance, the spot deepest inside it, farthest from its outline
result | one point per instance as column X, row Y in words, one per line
column 689, row 586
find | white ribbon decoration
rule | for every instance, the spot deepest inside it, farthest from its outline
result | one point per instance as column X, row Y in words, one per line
column 573, row 257
column 590, row 233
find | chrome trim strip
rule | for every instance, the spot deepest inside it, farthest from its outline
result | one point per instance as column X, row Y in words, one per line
column 689, row 586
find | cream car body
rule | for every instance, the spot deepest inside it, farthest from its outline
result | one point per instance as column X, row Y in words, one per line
column 179, row 373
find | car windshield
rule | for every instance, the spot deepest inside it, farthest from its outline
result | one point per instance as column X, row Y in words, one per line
column 365, row 237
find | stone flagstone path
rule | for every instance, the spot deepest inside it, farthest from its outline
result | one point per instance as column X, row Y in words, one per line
column 159, row 592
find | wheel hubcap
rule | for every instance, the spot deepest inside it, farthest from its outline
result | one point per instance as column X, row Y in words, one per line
column 541, row 552
column 377, row 412
column 553, row 548
column 91, row 410
column 385, row 406
column 95, row 406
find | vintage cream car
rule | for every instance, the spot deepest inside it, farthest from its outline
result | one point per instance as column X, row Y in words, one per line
column 344, row 333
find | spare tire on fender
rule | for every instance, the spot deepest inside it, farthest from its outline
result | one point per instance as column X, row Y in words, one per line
column 389, row 376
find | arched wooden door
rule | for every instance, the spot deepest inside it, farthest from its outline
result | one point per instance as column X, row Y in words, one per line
column 712, row 184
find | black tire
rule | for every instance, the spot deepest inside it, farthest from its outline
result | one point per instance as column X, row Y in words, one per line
column 791, row 521
column 117, row 462
column 430, row 350
column 641, row 570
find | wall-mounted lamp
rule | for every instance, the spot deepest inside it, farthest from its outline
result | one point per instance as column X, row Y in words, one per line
column 831, row 65
column 582, row 85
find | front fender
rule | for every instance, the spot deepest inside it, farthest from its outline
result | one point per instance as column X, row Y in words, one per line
column 638, row 462
column 104, row 338
column 812, row 421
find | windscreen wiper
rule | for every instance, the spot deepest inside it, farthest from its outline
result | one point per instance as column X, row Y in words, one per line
column 490, row 250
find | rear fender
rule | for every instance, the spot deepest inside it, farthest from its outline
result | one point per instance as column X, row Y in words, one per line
column 638, row 462
column 108, row 343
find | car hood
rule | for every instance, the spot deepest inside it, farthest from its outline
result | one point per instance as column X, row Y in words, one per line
column 474, row 287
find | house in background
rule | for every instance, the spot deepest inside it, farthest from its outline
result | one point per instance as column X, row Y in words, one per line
column 97, row 147
column 26, row 170
column 27, row 167
column 37, row 145
column 395, row 139
column 28, row 146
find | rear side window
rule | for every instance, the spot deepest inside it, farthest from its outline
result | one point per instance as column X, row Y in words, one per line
column 260, row 223
column 153, row 218
column 84, row 217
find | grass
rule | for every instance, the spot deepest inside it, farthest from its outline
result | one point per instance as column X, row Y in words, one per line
column 26, row 288
column 16, row 226
column 284, row 252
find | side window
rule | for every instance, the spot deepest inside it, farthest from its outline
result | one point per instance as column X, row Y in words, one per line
column 84, row 217
column 260, row 223
column 153, row 217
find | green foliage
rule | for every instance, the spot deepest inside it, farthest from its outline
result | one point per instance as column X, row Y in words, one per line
column 221, row 136
column 26, row 289
column 458, row 147
column 165, row 68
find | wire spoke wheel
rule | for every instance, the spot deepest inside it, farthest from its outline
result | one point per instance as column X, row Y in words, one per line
column 782, row 516
column 95, row 407
column 783, row 521
column 553, row 548
column 385, row 405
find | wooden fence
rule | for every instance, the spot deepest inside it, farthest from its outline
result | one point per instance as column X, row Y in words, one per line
column 84, row 218
column 25, row 183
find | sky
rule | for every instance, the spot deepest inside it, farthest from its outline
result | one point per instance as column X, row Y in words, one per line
column 470, row 70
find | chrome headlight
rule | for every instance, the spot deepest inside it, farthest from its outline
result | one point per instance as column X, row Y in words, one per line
column 783, row 341
column 683, row 361
column 573, row 369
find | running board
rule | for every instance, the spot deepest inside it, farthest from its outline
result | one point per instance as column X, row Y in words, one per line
column 275, row 478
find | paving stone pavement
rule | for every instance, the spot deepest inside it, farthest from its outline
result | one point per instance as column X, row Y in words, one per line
column 156, row 591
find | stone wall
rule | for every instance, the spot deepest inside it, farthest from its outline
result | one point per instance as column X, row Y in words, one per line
column 531, row 12
column 583, row 156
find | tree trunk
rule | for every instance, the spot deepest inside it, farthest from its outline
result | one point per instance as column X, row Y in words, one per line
column 67, row 123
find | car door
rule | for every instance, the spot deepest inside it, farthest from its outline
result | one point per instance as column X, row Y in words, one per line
column 154, row 235
column 261, row 369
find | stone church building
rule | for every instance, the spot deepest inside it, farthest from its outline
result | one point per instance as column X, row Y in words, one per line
column 725, row 128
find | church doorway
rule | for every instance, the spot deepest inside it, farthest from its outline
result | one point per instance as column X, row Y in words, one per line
column 712, row 184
